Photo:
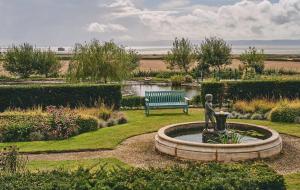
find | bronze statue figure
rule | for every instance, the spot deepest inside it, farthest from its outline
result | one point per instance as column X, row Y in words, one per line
column 209, row 111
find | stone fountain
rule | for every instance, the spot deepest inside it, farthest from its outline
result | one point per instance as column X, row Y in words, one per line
column 193, row 140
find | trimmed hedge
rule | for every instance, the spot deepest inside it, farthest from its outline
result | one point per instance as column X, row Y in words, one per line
column 133, row 101
column 216, row 89
column 195, row 176
column 21, row 96
column 249, row 90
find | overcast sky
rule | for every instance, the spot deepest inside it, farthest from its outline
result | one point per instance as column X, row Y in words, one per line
column 65, row 22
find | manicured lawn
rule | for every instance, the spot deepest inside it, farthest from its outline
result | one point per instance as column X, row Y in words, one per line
column 109, row 138
column 292, row 181
column 70, row 165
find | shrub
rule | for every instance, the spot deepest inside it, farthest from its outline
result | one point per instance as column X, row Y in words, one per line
column 261, row 106
column 188, row 79
column 87, row 123
column 56, row 123
column 196, row 100
column 257, row 116
column 121, row 118
column 11, row 161
column 132, row 101
column 177, row 80
column 243, row 107
column 193, row 176
column 286, row 112
column 27, row 96
column 105, row 112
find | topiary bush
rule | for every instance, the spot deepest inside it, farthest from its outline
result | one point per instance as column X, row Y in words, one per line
column 194, row 176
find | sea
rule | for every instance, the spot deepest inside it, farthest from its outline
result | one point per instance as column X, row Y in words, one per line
column 286, row 47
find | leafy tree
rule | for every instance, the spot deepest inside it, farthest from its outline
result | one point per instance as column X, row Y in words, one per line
column 253, row 58
column 20, row 60
column 24, row 61
column 213, row 52
column 47, row 63
column 101, row 62
column 181, row 55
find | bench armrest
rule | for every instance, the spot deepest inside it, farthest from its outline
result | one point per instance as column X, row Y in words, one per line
column 187, row 99
column 146, row 100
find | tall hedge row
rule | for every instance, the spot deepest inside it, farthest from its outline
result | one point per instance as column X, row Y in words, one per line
column 26, row 96
column 248, row 90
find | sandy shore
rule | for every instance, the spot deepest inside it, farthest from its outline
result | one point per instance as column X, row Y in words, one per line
column 159, row 65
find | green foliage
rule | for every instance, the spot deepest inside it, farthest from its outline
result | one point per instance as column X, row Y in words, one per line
column 105, row 112
column 99, row 62
column 261, row 106
column 193, row 176
column 24, row 61
column 55, row 123
column 26, row 96
column 249, row 90
column 47, row 64
column 21, row 60
column 286, row 111
column 213, row 52
column 11, row 161
column 216, row 89
column 196, row 100
column 158, row 74
column 253, row 58
column 177, row 80
column 188, row 79
column 227, row 73
column 181, row 55
column 132, row 101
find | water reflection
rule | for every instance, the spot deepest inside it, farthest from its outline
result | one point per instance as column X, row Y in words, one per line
column 139, row 89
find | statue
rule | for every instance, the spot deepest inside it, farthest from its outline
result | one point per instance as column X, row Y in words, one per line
column 209, row 112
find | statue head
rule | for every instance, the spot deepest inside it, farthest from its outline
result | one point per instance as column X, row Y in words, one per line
column 208, row 97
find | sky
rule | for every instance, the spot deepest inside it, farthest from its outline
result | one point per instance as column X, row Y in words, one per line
column 66, row 22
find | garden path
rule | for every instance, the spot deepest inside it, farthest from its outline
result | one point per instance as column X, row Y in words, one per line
column 139, row 151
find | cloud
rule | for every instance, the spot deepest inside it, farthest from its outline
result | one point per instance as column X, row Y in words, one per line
column 170, row 4
column 247, row 19
column 102, row 28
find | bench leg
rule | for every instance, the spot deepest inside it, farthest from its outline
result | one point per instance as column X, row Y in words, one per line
column 146, row 111
column 186, row 110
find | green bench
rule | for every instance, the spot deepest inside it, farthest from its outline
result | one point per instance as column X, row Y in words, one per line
column 166, row 99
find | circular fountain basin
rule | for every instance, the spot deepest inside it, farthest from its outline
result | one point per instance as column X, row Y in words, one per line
column 184, row 141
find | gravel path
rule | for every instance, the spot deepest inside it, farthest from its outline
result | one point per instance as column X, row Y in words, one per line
column 139, row 151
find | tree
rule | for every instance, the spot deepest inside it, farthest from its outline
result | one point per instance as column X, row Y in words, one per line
column 101, row 62
column 20, row 60
column 213, row 52
column 181, row 55
column 47, row 63
column 253, row 58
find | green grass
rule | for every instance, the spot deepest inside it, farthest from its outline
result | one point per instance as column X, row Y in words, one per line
column 292, row 181
column 70, row 165
column 109, row 138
